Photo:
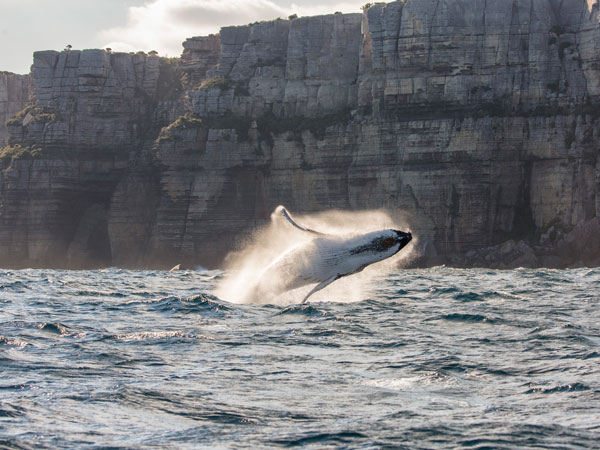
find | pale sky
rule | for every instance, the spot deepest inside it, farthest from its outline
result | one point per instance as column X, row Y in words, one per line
column 131, row 25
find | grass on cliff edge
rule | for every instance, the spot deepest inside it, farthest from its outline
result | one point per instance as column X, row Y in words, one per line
column 240, row 124
column 215, row 83
column 38, row 115
column 224, row 84
column 15, row 152
column 183, row 122
column 268, row 125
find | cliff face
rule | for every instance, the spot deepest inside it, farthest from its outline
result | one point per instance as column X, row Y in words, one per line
column 474, row 121
column 15, row 91
column 70, row 152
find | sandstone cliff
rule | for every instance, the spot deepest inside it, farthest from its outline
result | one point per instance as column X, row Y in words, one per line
column 476, row 122
column 15, row 93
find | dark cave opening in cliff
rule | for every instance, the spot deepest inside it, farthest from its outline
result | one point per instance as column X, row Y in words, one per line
column 98, row 246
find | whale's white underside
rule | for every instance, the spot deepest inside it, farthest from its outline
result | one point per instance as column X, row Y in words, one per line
column 322, row 260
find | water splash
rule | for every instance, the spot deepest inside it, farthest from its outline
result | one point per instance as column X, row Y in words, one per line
column 247, row 265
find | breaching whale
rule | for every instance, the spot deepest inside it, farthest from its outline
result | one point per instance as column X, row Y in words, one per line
column 323, row 259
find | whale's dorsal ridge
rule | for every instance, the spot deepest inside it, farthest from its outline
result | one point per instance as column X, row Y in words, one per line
column 285, row 214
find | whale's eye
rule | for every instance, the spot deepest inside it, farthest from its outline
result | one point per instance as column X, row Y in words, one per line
column 388, row 242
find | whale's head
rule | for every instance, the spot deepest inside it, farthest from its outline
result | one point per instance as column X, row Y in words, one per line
column 379, row 245
column 402, row 239
column 391, row 241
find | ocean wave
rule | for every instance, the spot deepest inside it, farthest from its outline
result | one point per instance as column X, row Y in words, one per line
column 150, row 336
column 12, row 342
column 435, row 358
column 468, row 318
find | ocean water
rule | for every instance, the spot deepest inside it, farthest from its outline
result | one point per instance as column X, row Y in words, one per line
column 433, row 358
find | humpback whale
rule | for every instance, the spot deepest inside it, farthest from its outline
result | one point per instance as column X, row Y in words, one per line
column 324, row 258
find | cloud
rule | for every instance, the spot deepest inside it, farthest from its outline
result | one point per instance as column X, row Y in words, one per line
column 314, row 8
column 162, row 25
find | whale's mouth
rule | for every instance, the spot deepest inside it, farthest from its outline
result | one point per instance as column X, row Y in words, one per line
column 403, row 238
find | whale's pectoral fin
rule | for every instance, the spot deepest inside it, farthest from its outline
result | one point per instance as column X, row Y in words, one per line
column 320, row 286
column 285, row 214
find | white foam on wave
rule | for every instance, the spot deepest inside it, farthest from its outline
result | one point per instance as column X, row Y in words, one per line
column 12, row 342
column 396, row 384
column 149, row 335
column 428, row 381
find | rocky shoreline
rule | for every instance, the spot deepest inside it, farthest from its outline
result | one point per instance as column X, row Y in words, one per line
column 580, row 247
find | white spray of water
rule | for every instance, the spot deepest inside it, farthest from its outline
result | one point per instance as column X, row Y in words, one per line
column 245, row 266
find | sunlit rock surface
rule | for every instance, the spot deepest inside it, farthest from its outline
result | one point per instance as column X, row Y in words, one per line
column 474, row 123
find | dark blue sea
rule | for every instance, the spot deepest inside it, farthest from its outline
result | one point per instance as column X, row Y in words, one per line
column 432, row 358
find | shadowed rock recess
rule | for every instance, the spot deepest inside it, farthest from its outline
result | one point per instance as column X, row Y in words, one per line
column 475, row 122
column 15, row 92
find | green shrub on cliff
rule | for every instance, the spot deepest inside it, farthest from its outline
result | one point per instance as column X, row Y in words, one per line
column 241, row 125
column 183, row 122
column 43, row 116
column 224, row 84
column 14, row 152
column 368, row 5
column 215, row 83
column 38, row 115
column 186, row 121
column 18, row 118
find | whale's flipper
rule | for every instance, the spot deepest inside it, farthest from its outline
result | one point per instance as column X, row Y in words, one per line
column 285, row 214
column 320, row 286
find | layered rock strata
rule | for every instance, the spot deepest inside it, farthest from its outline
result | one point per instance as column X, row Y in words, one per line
column 471, row 122
column 15, row 93
column 69, row 153
column 200, row 54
